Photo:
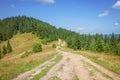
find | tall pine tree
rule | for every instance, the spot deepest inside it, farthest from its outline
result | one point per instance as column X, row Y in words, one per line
column 4, row 51
column 9, row 47
column 113, row 42
column 0, row 54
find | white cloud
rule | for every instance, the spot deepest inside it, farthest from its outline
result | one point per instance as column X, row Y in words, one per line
column 116, row 5
column 46, row 1
column 12, row 6
column 106, row 13
column 79, row 29
column 117, row 23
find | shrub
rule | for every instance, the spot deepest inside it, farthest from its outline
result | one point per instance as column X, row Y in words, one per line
column 0, row 53
column 54, row 45
column 44, row 42
column 37, row 47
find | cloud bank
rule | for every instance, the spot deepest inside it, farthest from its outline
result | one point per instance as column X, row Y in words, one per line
column 79, row 29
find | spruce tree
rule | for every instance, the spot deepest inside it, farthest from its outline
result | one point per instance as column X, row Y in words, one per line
column 4, row 51
column 0, row 54
column 99, row 45
column 77, row 44
column 9, row 47
column 113, row 42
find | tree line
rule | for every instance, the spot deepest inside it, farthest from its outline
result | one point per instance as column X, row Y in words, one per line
column 96, row 43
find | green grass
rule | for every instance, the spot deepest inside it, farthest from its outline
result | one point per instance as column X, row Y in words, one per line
column 75, row 77
column 26, row 53
column 106, row 61
column 94, row 70
column 45, row 70
column 54, row 78
column 18, row 68
column 22, row 59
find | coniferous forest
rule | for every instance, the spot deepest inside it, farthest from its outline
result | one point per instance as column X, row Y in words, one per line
column 96, row 43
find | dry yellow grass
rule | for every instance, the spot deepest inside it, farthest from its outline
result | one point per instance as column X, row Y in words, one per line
column 108, row 61
column 20, row 43
column 12, row 64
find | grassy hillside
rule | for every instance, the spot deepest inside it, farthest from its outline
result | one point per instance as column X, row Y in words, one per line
column 12, row 64
column 21, row 42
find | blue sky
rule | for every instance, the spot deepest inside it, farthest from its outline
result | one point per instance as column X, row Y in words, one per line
column 83, row 16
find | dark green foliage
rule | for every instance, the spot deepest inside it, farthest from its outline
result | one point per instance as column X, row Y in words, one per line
column 22, row 24
column 76, row 42
column 113, row 44
column 54, row 45
column 9, row 47
column 44, row 41
column 4, row 51
column 37, row 47
column 99, row 45
column 118, row 45
column 48, row 33
column 0, row 53
column 95, row 43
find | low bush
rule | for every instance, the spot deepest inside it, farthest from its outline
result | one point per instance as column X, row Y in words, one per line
column 37, row 47
column 54, row 45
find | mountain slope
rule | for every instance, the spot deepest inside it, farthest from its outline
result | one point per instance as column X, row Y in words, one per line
column 13, row 64
column 22, row 24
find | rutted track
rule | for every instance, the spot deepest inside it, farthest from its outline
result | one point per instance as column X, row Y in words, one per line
column 69, row 66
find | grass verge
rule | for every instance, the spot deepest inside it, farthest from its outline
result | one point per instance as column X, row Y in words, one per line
column 75, row 77
column 45, row 71
column 94, row 70
column 17, row 68
column 54, row 78
column 110, row 62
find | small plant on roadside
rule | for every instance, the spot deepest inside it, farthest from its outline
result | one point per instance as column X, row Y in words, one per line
column 54, row 45
column 25, row 54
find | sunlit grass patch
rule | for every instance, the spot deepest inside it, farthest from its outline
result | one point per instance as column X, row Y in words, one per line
column 54, row 78
column 7, row 71
column 75, row 77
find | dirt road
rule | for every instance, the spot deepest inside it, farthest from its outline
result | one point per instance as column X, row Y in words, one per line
column 71, row 67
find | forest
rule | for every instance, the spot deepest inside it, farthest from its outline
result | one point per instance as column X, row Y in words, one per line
column 22, row 24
